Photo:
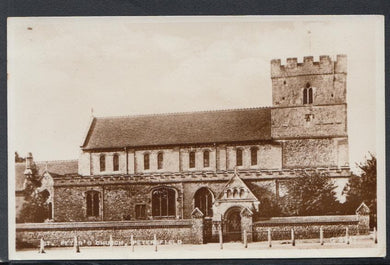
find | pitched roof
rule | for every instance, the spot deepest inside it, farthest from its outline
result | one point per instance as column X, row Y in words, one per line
column 236, row 184
column 59, row 167
column 180, row 128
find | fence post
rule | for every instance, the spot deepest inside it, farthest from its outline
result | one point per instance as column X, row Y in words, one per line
column 375, row 236
column 292, row 237
column 245, row 240
column 269, row 238
column 346, row 235
column 111, row 242
column 321, row 236
column 132, row 243
column 41, row 246
column 76, row 246
column 220, row 238
column 155, row 242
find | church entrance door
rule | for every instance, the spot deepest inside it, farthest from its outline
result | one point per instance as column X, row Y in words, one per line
column 232, row 225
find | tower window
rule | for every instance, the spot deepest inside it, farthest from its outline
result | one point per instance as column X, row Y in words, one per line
column 115, row 161
column 102, row 163
column 254, row 156
column 160, row 160
column 192, row 159
column 239, row 157
column 146, row 161
column 308, row 94
column 206, row 158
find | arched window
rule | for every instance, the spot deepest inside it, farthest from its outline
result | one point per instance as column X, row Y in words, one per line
column 146, row 161
column 242, row 193
column 206, row 158
column 192, row 159
column 92, row 203
column 102, row 163
column 308, row 94
column 229, row 193
column 239, row 157
column 204, row 201
column 163, row 202
column 115, row 162
column 160, row 160
column 254, row 156
column 50, row 210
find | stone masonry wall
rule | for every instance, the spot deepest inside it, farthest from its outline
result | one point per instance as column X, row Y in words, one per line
column 221, row 157
column 309, row 227
column 189, row 190
column 309, row 122
column 326, row 77
column 119, row 201
column 309, row 153
column 92, row 234
column 69, row 203
column 303, row 231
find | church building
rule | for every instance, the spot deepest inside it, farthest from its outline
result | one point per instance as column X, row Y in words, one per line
column 225, row 163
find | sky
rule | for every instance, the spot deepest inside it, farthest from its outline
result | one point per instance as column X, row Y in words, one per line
column 60, row 69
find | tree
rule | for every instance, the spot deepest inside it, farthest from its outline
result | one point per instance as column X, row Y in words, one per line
column 35, row 208
column 363, row 189
column 310, row 194
column 19, row 158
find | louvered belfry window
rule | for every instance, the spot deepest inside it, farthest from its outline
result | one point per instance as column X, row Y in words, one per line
column 308, row 94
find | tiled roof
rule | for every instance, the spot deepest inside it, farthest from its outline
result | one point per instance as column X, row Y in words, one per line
column 58, row 167
column 180, row 128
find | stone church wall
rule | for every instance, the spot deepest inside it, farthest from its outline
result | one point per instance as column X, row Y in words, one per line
column 117, row 202
column 310, row 153
column 222, row 157
column 309, row 122
column 326, row 77
column 190, row 188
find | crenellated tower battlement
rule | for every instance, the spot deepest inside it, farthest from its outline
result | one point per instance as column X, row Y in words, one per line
column 325, row 65
column 323, row 81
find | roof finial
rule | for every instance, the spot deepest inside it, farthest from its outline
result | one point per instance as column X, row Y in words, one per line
column 92, row 112
column 235, row 171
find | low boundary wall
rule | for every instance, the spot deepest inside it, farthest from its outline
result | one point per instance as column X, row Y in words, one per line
column 306, row 227
column 98, row 233
column 187, row 231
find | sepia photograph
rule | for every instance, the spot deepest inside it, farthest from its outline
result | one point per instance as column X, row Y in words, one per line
column 196, row 137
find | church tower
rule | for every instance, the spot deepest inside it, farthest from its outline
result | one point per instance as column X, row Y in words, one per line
column 309, row 114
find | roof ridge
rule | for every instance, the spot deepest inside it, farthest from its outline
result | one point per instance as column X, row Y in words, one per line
column 181, row 112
